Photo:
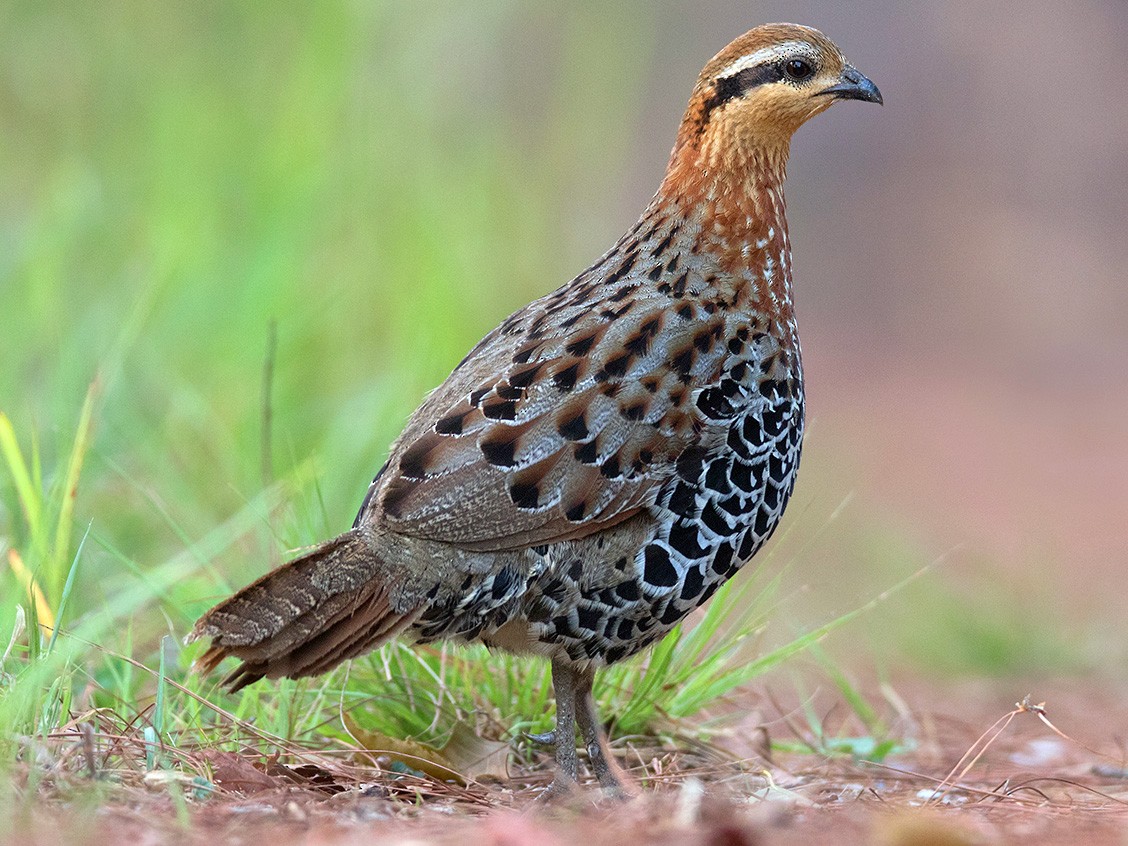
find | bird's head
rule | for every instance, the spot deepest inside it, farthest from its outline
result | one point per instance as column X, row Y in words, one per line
column 754, row 94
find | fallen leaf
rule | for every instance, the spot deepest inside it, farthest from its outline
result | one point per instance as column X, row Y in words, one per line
column 465, row 757
column 233, row 772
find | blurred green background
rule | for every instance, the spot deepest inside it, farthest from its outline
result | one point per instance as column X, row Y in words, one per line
column 384, row 182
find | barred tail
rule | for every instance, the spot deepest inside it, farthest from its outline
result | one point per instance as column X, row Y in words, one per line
column 305, row 617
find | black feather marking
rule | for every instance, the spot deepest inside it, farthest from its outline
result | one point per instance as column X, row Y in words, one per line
column 581, row 346
column 524, row 496
column 635, row 412
column 657, row 569
column 451, row 424
column 500, row 410
column 565, row 379
column 587, row 453
column 610, row 467
column 576, row 513
column 413, row 463
column 523, row 378
column 499, row 453
column 575, row 429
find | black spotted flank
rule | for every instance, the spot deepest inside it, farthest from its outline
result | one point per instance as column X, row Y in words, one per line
column 576, row 513
column 713, row 520
column 693, row 584
column 671, row 615
column 737, row 444
column 683, row 501
column 684, row 538
column 657, row 568
column 753, row 432
column 589, row 618
column 616, row 653
column 714, row 404
column 502, row 582
column 765, row 522
column 741, row 475
column 628, row 590
column 773, row 421
column 717, row 475
column 722, row 559
column 691, row 463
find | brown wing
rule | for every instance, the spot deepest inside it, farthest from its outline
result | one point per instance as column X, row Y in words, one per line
column 566, row 419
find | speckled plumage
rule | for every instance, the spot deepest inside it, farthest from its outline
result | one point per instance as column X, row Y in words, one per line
column 610, row 454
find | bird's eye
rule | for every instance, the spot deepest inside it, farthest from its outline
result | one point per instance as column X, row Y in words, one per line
column 798, row 70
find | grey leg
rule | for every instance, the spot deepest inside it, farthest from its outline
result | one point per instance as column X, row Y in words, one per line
column 564, row 735
column 595, row 738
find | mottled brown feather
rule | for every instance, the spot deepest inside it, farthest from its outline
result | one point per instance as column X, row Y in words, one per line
column 446, row 487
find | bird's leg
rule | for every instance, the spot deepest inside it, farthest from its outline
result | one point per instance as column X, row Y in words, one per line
column 564, row 679
column 595, row 738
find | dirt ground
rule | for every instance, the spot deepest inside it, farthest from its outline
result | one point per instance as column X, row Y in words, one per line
column 1029, row 785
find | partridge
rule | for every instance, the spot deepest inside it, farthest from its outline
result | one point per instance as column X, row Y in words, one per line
column 601, row 462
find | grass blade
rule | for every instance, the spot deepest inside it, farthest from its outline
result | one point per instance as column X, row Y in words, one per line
column 65, row 523
column 67, row 588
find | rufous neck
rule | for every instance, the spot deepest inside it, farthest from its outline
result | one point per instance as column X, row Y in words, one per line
column 729, row 176
column 732, row 196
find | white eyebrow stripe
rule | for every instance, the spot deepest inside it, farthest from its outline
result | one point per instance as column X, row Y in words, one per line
column 763, row 56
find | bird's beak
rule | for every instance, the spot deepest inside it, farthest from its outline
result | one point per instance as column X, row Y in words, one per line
column 854, row 85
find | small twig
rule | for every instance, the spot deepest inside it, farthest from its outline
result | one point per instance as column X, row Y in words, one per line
column 974, row 753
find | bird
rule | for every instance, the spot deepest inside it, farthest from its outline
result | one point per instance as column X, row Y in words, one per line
column 610, row 454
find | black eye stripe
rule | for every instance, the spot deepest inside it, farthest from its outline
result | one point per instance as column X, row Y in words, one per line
column 730, row 87
column 740, row 83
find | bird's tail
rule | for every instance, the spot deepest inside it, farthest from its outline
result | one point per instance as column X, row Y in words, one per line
column 305, row 617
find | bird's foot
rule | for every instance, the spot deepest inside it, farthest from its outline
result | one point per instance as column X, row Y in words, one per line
column 545, row 738
column 563, row 787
